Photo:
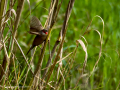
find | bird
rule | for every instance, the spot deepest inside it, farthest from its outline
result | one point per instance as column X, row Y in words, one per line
column 37, row 29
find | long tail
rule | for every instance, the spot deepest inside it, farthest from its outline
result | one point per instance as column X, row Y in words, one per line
column 30, row 49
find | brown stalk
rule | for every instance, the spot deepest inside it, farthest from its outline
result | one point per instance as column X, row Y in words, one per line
column 64, row 29
column 50, row 58
column 6, row 62
column 48, row 23
column 66, row 72
column 18, row 12
column 3, row 6
column 54, row 48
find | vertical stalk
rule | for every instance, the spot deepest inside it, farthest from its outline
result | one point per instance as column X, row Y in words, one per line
column 64, row 29
column 19, row 11
column 3, row 6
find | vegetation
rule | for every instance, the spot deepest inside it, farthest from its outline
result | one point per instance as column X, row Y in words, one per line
column 81, row 54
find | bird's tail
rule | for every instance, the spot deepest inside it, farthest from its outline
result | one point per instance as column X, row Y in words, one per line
column 30, row 49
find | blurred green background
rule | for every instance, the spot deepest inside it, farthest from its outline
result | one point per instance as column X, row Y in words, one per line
column 107, row 73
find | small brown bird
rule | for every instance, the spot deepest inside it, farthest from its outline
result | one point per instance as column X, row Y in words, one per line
column 36, row 28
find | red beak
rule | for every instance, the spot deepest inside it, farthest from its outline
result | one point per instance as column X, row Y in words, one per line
column 46, row 33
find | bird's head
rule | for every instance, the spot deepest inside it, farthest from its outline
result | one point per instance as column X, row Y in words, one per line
column 44, row 32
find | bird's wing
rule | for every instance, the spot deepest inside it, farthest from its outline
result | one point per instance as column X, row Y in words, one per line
column 35, row 25
column 34, row 32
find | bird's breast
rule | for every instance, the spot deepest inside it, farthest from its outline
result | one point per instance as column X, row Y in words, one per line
column 39, row 40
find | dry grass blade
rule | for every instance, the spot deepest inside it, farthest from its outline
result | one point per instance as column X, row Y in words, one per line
column 24, row 56
column 64, row 57
column 8, row 15
column 5, row 50
column 30, row 12
column 45, row 82
column 50, row 19
column 99, row 51
column 65, row 70
column 29, row 68
column 14, row 12
column 83, row 75
column 59, row 81
column 86, row 55
column 101, row 40
column 3, row 7
column 85, row 61
column 29, row 6
column 16, row 79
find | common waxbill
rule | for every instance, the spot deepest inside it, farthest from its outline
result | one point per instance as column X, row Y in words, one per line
column 37, row 29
